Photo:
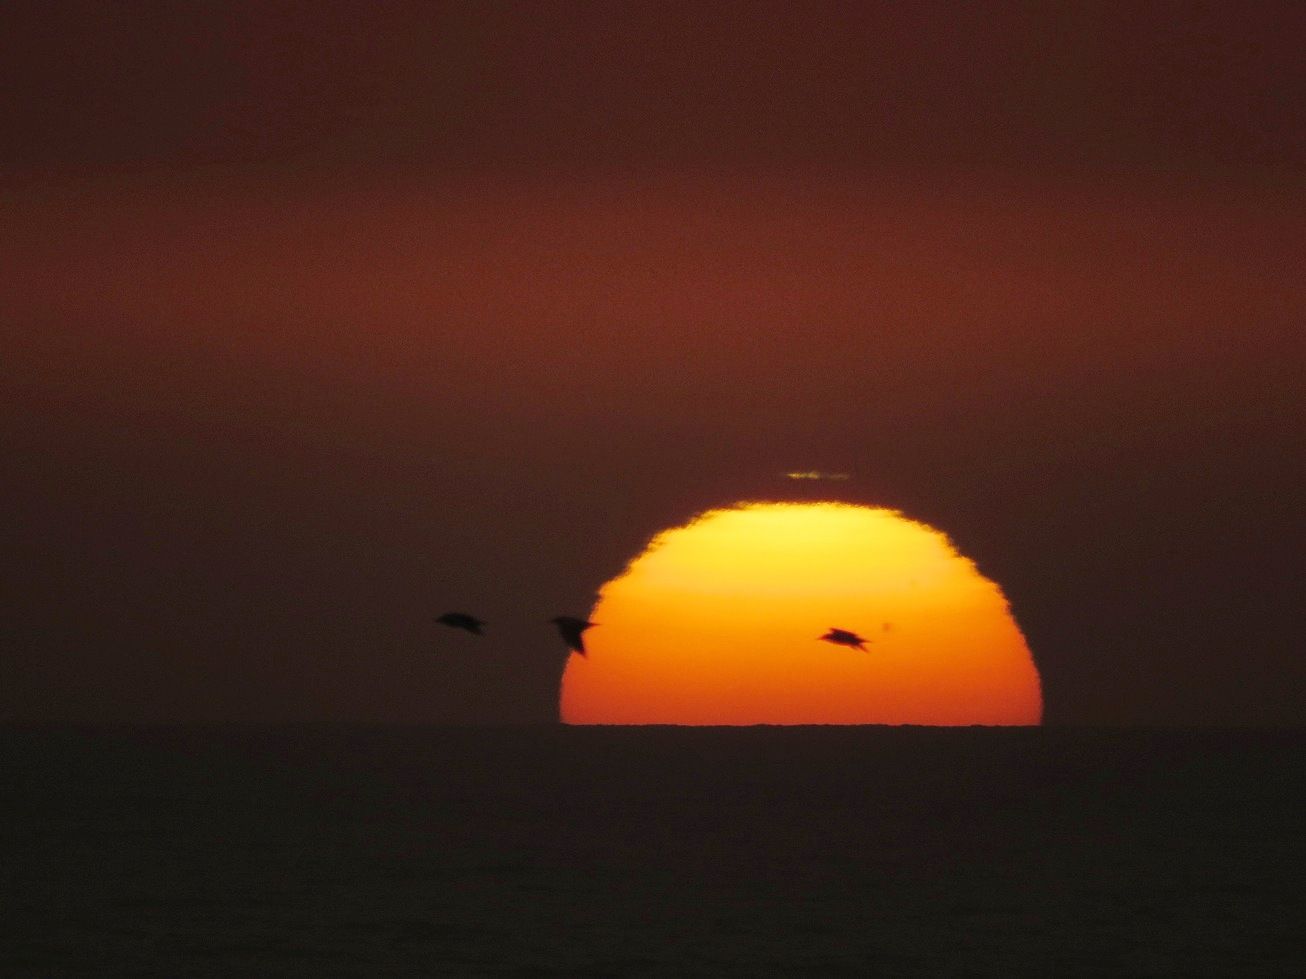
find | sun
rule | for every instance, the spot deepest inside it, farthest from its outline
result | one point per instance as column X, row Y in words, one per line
column 721, row 621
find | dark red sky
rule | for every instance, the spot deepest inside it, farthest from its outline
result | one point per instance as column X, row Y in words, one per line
column 321, row 319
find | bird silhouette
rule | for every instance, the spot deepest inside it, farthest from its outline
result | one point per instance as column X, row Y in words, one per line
column 842, row 637
column 461, row 620
column 570, row 629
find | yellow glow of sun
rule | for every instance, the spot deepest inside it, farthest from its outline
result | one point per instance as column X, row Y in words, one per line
column 717, row 622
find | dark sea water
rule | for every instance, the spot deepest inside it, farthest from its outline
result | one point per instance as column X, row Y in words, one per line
column 369, row 851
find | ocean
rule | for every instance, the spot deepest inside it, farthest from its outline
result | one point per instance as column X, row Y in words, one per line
column 607, row 851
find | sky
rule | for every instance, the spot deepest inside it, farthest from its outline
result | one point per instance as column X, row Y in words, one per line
column 321, row 319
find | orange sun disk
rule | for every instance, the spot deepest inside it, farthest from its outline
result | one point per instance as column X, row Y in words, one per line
column 717, row 622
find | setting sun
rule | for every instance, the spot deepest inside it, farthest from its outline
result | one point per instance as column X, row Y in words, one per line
column 720, row 621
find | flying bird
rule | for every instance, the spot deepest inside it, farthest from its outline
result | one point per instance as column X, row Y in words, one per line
column 842, row 637
column 570, row 629
column 461, row 620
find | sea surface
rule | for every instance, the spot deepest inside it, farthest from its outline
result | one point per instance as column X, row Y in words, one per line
column 371, row 851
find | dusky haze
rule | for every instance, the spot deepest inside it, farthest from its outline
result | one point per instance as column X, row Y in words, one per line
column 320, row 320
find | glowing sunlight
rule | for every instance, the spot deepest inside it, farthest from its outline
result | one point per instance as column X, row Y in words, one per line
column 720, row 622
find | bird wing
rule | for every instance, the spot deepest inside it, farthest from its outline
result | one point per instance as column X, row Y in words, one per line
column 461, row 620
column 573, row 633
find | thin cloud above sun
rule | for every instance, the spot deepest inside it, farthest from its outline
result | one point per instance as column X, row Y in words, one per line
column 812, row 474
column 721, row 621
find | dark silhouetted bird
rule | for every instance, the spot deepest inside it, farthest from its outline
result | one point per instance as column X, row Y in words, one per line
column 570, row 629
column 461, row 620
column 842, row 637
